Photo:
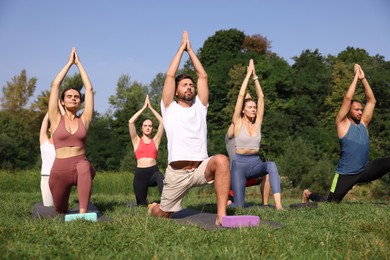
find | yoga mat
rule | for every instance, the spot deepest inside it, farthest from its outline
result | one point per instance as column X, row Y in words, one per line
column 206, row 220
column 40, row 211
column 252, row 204
column 304, row 205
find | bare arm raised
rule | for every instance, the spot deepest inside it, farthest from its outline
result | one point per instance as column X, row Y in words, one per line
column 168, row 92
column 237, row 121
column 202, row 85
column 89, row 100
column 54, row 111
column 260, row 98
column 368, row 111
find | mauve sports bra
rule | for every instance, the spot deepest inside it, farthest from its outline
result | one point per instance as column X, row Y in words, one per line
column 62, row 138
column 243, row 140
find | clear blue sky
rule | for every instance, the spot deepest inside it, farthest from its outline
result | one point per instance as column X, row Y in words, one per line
column 139, row 38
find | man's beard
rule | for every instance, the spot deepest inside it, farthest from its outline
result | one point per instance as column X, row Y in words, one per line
column 355, row 119
column 188, row 97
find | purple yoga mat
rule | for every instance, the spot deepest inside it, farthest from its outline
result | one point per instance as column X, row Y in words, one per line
column 240, row 221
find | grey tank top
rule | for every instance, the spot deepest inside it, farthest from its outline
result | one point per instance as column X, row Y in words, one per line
column 244, row 141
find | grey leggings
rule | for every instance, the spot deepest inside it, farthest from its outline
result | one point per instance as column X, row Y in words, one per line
column 250, row 166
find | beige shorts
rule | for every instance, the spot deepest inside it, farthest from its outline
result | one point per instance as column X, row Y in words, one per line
column 178, row 182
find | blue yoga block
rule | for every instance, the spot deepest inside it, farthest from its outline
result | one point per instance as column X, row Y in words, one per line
column 86, row 216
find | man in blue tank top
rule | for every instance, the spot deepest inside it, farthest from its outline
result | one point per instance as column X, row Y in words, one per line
column 351, row 125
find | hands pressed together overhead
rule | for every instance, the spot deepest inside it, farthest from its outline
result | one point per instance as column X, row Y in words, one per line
column 185, row 42
column 74, row 57
column 359, row 72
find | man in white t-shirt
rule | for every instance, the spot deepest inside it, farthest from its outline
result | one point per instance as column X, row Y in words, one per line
column 185, row 125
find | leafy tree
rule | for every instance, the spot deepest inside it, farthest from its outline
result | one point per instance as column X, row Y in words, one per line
column 256, row 43
column 17, row 93
column 311, row 85
column 351, row 56
column 42, row 102
column 319, row 178
column 226, row 43
column 129, row 98
column 299, row 164
column 8, row 151
column 155, row 89
column 74, row 81
column 103, row 145
column 19, row 144
column 19, row 141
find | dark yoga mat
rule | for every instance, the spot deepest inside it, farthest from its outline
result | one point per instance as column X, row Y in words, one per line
column 206, row 220
column 40, row 211
column 304, row 205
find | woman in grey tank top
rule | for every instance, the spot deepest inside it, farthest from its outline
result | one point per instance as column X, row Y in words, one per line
column 247, row 120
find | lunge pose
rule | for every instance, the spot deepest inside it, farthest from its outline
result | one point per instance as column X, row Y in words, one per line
column 263, row 181
column 146, row 148
column 185, row 124
column 69, row 134
column 246, row 164
column 351, row 125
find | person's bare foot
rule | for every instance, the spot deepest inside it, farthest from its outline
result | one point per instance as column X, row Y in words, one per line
column 218, row 221
column 151, row 206
column 305, row 196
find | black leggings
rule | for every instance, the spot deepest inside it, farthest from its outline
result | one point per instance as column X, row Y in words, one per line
column 144, row 178
column 343, row 183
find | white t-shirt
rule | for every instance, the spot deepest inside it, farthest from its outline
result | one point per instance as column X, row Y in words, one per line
column 186, row 131
column 48, row 154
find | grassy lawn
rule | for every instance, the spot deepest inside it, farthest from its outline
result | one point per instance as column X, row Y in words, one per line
column 350, row 230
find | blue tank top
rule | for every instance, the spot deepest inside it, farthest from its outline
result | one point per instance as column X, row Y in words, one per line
column 354, row 150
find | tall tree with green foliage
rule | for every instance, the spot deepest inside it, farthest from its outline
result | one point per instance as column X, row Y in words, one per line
column 128, row 99
column 224, row 43
column 103, row 145
column 19, row 144
column 17, row 93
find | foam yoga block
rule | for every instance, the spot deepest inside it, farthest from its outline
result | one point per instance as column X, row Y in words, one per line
column 206, row 220
column 240, row 221
column 86, row 216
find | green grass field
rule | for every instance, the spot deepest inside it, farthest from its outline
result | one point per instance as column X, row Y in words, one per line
column 354, row 229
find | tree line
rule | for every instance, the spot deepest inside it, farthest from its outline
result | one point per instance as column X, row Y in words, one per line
column 301, row 103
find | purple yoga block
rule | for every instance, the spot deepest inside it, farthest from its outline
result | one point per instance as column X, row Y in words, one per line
column 240, row 221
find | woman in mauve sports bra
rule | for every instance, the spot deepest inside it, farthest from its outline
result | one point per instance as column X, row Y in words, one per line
column 69, row 134
column 246, row 163
column 146, row 173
